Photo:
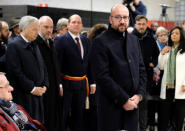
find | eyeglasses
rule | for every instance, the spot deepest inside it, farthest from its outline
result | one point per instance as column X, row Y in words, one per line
column 119, row 18
column 162, row 35
column 141, row 24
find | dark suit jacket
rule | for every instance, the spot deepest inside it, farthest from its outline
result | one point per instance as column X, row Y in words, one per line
column 70, row 60
column 25, row 70
column 117, row 63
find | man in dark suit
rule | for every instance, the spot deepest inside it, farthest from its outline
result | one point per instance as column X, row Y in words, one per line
column 120, row 73
column 51, row 97
column 26, row 70
column 73, row 51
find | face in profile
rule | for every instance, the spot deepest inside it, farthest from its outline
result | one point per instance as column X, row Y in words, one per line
column 75, row 24
column 119, row 18
column 5, row 89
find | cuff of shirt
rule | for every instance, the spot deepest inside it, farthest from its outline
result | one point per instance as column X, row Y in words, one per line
column 93, row 85
column 33, row 90
column 60, row 85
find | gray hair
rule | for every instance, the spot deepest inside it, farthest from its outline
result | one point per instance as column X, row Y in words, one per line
column 160, row 30
column 26, row 20
column 62, row 22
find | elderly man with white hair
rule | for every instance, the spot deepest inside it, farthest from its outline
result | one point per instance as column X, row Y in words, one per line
column 26, row 70
column 12, row 116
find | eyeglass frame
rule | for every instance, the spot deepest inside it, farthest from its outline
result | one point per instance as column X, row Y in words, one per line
column 119, row 18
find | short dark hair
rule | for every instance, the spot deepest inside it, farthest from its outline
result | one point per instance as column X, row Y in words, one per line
column 139, row 17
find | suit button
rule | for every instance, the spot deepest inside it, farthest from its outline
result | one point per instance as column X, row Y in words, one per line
column 129, row 61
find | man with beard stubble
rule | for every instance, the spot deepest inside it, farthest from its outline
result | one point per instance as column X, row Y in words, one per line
column 119, row 73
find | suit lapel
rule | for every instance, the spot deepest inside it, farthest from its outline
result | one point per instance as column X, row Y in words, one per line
column 73, row 45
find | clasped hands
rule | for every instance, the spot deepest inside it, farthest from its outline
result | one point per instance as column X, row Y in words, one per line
column 39, row 91
column 132, row 103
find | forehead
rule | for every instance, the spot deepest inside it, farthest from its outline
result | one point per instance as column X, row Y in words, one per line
column 163, row 32
column 120, row 10
column 3, row 80
column 176, row 30
column 75, row 18
column 47, row 22
column 4, row 25
column 143, row 20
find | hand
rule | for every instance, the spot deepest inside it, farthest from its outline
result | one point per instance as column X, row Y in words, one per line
column 183, row 88
column 61, row 91
column 136, row 99
column 44, row 89
column 129, row 105
column 151, row 65
column 165, row 50
column 132, row 8
column 39, row 91
column 92, row 89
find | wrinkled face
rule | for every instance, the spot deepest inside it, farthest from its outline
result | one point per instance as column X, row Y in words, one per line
column 75, row 24
column 175, row 36
column 46, row 28
column 141, row 26
column 31, row 32
column 119, row 18
column 5, row 89
column 5, row 32
column 162, row 37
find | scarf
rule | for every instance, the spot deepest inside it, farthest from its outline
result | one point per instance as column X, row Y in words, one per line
column 171, row 68
column 17, row 115
column 160, row 45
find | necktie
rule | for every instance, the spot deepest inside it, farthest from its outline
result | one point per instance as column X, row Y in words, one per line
column 47, row 42
column 78, row 44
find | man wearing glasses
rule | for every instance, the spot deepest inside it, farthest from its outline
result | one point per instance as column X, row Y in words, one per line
column 150, row 54
column 120, row 74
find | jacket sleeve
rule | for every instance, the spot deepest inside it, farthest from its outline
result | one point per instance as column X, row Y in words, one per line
column 59, row 54
column 13, row 64
column 141, row 10
column 162, row 61
column 101, row 67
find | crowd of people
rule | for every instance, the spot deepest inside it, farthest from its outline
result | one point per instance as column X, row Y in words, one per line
column 116, row 77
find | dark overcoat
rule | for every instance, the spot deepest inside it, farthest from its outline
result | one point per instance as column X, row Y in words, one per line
column 26, row 70
column 115, row 58
column 51, row 97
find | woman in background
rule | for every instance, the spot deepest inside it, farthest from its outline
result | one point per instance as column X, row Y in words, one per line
column 172, row 61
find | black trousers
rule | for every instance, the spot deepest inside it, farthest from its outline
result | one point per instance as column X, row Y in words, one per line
column 74, row 106
column 170, row 108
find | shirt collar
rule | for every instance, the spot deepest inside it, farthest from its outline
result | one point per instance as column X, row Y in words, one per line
column 24, row 38
column 73, row 35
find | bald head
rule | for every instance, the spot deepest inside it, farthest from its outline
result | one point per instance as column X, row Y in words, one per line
column 46, row 26
column 119, row 17
column 118, row 7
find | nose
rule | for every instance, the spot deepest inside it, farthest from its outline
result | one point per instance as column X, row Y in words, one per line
column 11, row 88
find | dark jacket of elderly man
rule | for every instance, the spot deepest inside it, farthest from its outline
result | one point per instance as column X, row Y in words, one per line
column 12, row 116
